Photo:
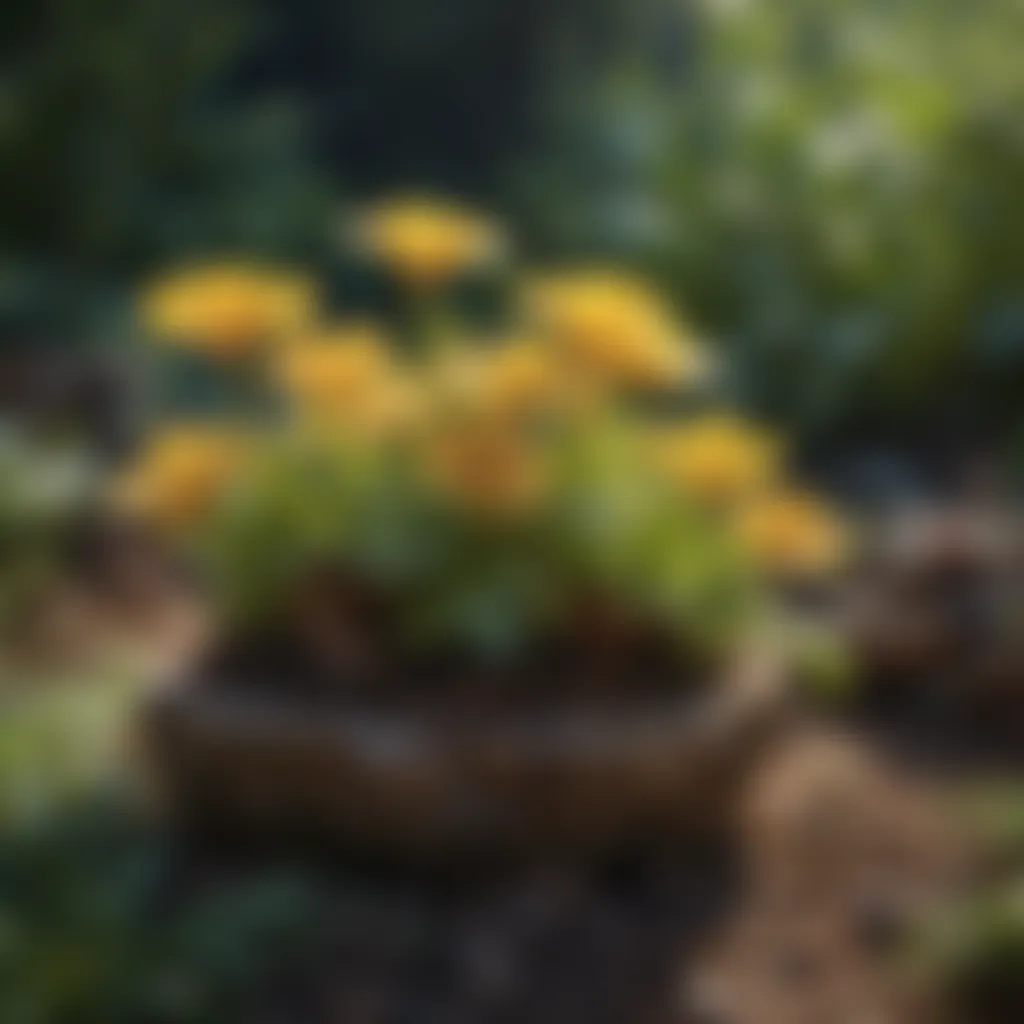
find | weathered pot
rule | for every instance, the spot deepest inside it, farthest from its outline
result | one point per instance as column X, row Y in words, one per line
column 417, row 781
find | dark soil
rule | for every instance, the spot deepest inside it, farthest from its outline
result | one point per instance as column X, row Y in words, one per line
column 552, row 677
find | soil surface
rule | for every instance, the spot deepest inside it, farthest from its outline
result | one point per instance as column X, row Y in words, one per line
column 849, row 848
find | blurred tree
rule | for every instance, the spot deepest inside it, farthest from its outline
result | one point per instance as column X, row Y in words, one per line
column 119, row 144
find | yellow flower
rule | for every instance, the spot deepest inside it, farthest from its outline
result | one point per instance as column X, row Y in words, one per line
column 347, row 379
column 527, row 379
column 181, row 475
column 793, row 534
column 512, row 384
column 334, row 368
column 490, row 471
column 427, row 242
column 719, row 458
column 226, row 310
column 612, row 325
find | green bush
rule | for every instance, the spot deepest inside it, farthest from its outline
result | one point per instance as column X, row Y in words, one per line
column 845, row 193
column 91, row 931
column 44, row 495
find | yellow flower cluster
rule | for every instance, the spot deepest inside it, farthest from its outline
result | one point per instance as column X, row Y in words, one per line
column 487, row 469
column 511, row 383
column 475, row 415
column 793, row 533
column 346, row 379
column 181, row 475
column 612, row 326
column 734, row 468
column 428, row 242
column 227, row 309
column 720, row 459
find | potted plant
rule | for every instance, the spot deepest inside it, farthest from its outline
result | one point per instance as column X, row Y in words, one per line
column 474, row 594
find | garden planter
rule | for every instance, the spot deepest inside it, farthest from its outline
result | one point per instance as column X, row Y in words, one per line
column 462, row 587
column 419, row 780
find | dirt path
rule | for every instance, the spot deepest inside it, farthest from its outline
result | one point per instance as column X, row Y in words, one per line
column 846, row 849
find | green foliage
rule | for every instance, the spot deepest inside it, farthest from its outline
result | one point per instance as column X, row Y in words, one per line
column 57, row 740
column 979, row 953
column 42, row 495
column 846, row 195
column 92, row 929
column 121, row 142
column 977, row 948
column 90, row 932
column 824, row 666
column 995, row 815
column 486, row 587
